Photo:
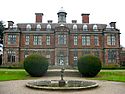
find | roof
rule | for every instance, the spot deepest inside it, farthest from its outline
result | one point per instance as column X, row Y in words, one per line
column 53, row 25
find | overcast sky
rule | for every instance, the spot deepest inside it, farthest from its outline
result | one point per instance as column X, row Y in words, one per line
column 101, row 11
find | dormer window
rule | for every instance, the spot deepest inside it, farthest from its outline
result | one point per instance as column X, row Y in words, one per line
column 85, row 27
column 95, row 28
column 38, row 27
column 15, row 27
column 74, row 27
column 48, row 27
column 108, row 27
column 28, row 27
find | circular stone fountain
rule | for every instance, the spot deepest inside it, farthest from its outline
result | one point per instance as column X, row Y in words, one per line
column 61, row 84
column 54, row 85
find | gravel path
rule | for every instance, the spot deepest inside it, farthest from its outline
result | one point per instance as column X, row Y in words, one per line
column 18, row 87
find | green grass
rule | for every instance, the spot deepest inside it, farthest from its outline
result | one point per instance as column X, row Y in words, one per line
column 21, row 74
column 12, row 74
column 111, row 75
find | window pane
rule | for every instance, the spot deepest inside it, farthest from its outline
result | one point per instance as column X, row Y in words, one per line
column 111, row 40
column 37, row 40
column 83, row 40
column 85, row 27
column 88, row 40
column 96, row 40
column 108, row 40
column 61, row 39
column 75, row 40
column 47, row 40
column 27, row 37
column 11, row 56
column 11, row 39
column 111, row 56
column 64, row 39
column 75, row 57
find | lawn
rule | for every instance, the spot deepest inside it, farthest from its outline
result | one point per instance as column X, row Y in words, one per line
column 111, row 75
column 13, row 74
column 20, row 74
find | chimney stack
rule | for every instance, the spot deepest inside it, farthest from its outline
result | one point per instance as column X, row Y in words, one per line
column 113, row 24
column 50, row 21
column 10, row 24
column 85, row 18
column 39, row 17
column 74, row 21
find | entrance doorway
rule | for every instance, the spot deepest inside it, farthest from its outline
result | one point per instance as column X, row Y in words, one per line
column 61, row 58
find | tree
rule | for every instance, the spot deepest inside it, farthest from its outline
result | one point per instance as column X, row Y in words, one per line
column 1, row 31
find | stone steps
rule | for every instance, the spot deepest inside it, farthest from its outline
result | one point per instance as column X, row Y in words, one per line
column 67, row 73
column 59, row 67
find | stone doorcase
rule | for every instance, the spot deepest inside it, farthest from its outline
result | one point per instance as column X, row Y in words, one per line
column 61, row 56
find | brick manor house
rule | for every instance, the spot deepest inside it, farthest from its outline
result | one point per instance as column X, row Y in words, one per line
column 61, row 42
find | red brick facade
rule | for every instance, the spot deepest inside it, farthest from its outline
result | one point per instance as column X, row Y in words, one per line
column 65, row 43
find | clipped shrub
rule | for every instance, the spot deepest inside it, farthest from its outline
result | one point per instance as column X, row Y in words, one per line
column 89, row 65
column 36, row 65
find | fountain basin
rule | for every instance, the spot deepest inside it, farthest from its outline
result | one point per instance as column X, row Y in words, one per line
column 54, row 85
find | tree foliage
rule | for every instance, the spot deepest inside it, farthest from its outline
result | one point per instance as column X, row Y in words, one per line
column 1, row 29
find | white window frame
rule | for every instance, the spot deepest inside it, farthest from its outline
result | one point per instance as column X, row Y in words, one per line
column 111, row 40
column 95, row 27
column 38, row 27
column 96, row 40
column 28, row 27
column 85, row 27
column 37, row 40
column 47, row 40
column 27, row 39
column 85, row 40
column 61, row 39
column 11, row 39
column 75, row 40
